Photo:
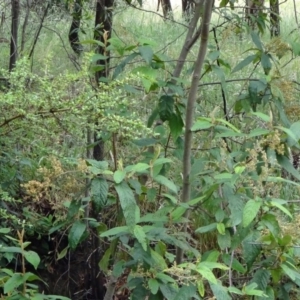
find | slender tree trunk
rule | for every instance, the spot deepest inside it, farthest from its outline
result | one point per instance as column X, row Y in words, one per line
column 75, row 27
column 167, row 8
column 188, row 135
column 188, row 7
column 253, row 7
column 25, row 23
column 274, row 18
column 103, row 29
column 15, row 11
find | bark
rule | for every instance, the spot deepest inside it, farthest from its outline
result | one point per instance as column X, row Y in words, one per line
column 167, row 8
column 39, row 30
column 103, row 28
column 75, row 27
column 25, row 23
column 15, row 11
column 274, row 18
column 191, row 38
column 188, row 7
column 188, row 135
column 253, row 7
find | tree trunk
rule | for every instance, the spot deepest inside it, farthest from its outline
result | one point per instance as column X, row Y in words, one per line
column 25, row 23
column 188, row 6
column 253, row 8
column 190, row 108
column 167, row 8
column 75, row 27
column 15, row 11
column 274, row 18
column 103, row 28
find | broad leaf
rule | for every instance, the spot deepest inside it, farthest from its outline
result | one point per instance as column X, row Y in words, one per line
column 119, row 175
column 288, row 166
column 166, row 182
column 33, row 258
column 249, row 59
column 140, row 235
column 250, row 211
column 128, row 203
column 176, row 125
column 121, row 66
column 99, row 193
column 147, row 53
column 76, row 233
column 166, row 107
column 115, row 231
column 153, row 285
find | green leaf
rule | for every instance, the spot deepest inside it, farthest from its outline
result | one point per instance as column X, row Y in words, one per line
column 276, row 203
column 221, row 228
column 139, row 167
column 115, row 231
column 258, row 132
column 104, row 262
column 76, row 233
column 11, row 249
column 98, row 56
column 4, row 230
column 219, row 291
column 251, row 290
column 270, row 221
column 166, row 107
column 233, row 263
column 140, row 235
column 169, row 291
column 63, row 253
column 249, row 59
column 178, row 212
column 121, row 66
column 206, row 228
column 165, row 278
column 266, row 63
column 262, row 116
column 166, row 182
column 206, row 273
column 144, row 142
column 119, row 175
column 234, row 290
column 186, row 292
column 118, row 268
column 73, row 209
column 99, row 193
column 153, row 285
column 201, row 124
column 147, row 53
column 261, row 278
column 251, row 249
column 224, row 240
column 33, row 258
column 250, row 211
column 295, row 129
column 128, row 203
column 287, row 165
column 200, row 287
column 256, row 40
column 176, row 125
column 14, row 282
column 161, row 161
column 224, row 3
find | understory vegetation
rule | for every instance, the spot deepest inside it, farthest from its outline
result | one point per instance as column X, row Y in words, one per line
column 156, row 158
